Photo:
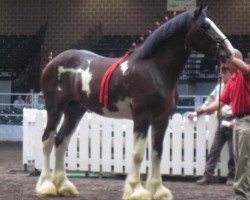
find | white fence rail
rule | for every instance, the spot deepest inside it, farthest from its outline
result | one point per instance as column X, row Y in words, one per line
column 104, row 145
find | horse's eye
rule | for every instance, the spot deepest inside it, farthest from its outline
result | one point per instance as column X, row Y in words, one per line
column 206, row 26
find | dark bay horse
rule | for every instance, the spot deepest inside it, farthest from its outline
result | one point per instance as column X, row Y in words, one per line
column 142, row 88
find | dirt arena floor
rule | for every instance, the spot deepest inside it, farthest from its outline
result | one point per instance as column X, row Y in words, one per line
column 17, row 185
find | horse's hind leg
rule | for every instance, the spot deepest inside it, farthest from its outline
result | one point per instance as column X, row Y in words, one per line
column 154, row 181
column 133, row 189
column 44, row 186
column 73, row 114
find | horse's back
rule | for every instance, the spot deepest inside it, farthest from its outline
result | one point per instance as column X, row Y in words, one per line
column 73, row 57
column 74, row 75
column 73, row 60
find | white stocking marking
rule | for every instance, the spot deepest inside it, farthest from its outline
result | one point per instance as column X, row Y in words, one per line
column 154, row 182
column 154, row 173
column 133, row 188
column 60, row 180
column 139, row 148
column 44, row 185
column 47, row 148
column 60, row 172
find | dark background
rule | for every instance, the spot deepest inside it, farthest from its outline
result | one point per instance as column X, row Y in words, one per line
column 39, row 27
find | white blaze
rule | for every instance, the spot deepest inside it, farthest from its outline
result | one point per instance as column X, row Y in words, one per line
column 85, row 75
column 229, row 45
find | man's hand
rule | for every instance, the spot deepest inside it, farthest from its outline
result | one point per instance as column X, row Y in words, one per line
column 191, row 115
column 197, row 112
column 200, row 110
column 229, row 124
column 232, row 124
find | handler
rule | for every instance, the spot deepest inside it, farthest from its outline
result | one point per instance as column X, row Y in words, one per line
column 237, row 92
column 222, row 135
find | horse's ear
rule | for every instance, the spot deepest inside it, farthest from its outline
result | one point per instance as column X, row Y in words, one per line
column 197, row 12
column 206, row 7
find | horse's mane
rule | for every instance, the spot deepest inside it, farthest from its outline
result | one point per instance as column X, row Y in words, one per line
column 166, row 31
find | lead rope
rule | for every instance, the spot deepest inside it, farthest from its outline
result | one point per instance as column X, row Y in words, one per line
column 219, row 109
column 218, row 43
column 220, row 79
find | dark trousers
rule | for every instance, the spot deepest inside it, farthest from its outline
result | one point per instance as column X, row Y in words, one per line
column 221, row 137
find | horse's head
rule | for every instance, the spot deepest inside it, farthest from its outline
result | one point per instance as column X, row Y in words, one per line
column 204, row 36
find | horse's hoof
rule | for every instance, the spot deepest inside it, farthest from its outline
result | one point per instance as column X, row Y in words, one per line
column 46, row 189
column 139, row 193
column 141, row 196
column 145, row 196
column 68, row 189
column 126, row 195
column 163, row 193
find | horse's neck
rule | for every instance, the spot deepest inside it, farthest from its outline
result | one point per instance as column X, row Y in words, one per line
column 171, row 59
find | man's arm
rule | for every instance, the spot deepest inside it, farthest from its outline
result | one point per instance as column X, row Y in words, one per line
column 210, row 99
column 210, row 108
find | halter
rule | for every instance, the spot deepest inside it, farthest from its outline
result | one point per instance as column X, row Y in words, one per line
column 218, row 42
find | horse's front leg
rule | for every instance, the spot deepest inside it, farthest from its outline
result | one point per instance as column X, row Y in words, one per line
column 133, row 190
column 154, row 181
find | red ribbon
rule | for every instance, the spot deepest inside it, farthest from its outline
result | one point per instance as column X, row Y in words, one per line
column 104, row 90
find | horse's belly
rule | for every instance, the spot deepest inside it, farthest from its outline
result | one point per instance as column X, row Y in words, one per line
column 123, row 110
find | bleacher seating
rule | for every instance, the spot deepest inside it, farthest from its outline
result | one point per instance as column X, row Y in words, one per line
column 241, row 42
column 118, row 45
column 115, row 45
column 19, row 55
column 14, row 50
column 189, row 103
column 11, row 116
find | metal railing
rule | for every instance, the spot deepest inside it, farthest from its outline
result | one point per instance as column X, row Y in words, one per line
column 12, row 114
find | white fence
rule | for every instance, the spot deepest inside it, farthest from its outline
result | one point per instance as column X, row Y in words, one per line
column 104, row 145
column 11, row 133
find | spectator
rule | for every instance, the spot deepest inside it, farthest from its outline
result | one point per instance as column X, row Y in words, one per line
column 19, row 102
column 29, row 98
column 237, row 92
column 40, row 101
column 247, row 60
column 222, row 135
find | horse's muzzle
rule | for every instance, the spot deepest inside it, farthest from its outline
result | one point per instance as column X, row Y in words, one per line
column 223, row 54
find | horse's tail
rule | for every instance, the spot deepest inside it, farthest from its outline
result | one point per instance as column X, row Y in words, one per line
column 46, row 75
column 48, row 81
